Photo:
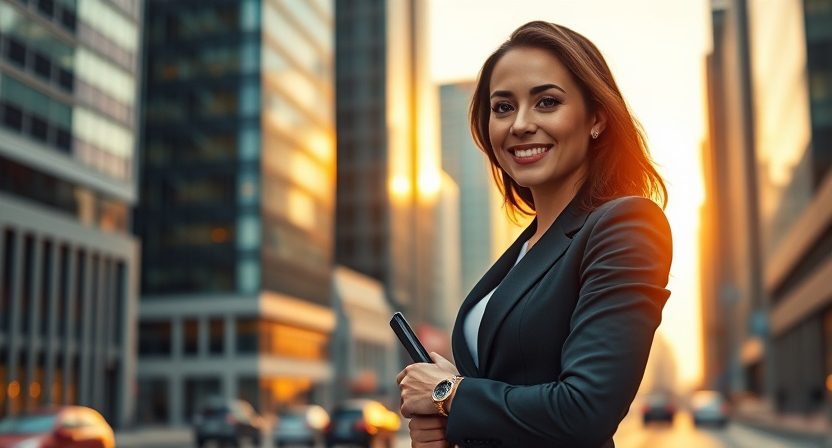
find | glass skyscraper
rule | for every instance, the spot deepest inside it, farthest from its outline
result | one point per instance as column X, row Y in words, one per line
column 68, row 265
column 235, row 215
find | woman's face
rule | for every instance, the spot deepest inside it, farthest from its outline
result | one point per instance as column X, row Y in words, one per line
column 539, row 125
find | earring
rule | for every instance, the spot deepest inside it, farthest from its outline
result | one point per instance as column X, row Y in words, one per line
column 594, row 133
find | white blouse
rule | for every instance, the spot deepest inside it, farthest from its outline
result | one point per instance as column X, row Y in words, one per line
column 471, row 325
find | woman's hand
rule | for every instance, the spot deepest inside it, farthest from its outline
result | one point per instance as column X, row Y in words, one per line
column 428, row 431
column 417, row 381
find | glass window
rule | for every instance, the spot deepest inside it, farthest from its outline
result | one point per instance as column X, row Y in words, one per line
column 248, row 235
column 247, row 334
column 45, row 286
column 216, row 336
column 105, row 76
column 311, row 20
column 248, row 276
column 190, row 336
column 154, row 338
column 197, row 392
column 9, row 272
column 109, row 22
column 102, row 133
column 284, row 34
column 153, row 406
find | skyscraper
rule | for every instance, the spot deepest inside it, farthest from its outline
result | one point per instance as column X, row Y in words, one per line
column 770, row 202
column 68, row 270
column 388, row 167
column 236, row 206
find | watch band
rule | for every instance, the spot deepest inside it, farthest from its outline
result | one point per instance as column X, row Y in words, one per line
column 440, row 405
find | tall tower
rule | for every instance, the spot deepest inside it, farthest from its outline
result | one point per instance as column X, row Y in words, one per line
column 236, row 206
column 388, row 168
column 68, row 264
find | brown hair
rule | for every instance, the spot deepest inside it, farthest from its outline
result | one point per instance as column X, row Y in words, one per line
column 619, row 162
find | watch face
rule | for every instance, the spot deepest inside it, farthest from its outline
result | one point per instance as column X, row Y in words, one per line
column 442, row 390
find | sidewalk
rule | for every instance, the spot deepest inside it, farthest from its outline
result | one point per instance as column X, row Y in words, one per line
column 811, row 428
column 154, row 436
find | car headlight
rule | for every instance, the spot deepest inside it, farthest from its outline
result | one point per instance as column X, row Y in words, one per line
column 33, row 442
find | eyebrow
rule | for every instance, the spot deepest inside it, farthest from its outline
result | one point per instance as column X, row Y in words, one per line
column 533, row 91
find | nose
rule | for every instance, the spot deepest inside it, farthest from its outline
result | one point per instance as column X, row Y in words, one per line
column 523, row 125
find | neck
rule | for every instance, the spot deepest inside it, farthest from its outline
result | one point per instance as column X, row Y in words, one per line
column 549, row 204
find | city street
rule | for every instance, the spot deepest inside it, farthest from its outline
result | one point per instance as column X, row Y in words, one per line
column 631, row 434
column 683, row 434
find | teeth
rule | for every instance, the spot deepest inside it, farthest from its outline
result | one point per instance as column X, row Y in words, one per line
column 529, row 152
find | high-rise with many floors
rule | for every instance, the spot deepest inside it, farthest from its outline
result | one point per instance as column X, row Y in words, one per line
column 68, row 265
column 235, row 215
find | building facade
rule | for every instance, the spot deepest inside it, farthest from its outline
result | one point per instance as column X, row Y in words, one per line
column 388, row 168
column 68, row 264
column 236, row 209
column 769, row 206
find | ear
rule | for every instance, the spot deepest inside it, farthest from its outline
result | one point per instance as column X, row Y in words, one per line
column 599, row 120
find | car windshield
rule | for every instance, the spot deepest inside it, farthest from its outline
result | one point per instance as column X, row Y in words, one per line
column 32, row 424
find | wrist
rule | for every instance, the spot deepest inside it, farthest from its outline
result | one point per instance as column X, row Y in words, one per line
column 444, row 393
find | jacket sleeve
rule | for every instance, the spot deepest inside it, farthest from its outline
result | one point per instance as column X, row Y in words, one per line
column 623, row 277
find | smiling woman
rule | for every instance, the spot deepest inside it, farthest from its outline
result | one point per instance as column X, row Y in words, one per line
column 551, row 344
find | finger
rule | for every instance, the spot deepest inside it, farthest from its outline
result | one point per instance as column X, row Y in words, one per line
column 443, row 363
column 433, row 435
column 427, row 422
column 434, row 444
column 401, row 376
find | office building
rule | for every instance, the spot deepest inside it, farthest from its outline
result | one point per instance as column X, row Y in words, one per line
column 235, row 216
column 388, row 169
column 770, row 202
column 68, row 264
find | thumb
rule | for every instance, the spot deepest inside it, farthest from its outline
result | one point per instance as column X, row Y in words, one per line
column 443, row 363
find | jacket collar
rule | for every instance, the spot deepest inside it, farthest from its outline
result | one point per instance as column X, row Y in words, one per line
column 513, row 283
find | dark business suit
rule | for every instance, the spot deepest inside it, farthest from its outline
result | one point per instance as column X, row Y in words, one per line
column 564, row 339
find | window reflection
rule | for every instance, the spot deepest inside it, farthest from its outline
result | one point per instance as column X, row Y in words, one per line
column 87, row 206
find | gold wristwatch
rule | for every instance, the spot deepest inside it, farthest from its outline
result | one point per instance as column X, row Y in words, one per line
column 443, row 391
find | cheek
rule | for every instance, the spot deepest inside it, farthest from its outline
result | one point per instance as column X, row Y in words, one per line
column 496, row 134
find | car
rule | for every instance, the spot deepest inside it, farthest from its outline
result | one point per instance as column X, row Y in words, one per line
column 363, row 422
column 232, row 422
column 300, row 425
column 658, row 406
column 708, row 407
column 58, row 427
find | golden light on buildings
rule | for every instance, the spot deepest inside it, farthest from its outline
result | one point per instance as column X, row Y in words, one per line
column 399, row 187
column 14, row 389
column 428, row 184
column 34, row 390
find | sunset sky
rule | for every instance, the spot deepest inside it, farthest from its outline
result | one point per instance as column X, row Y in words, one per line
column 656, row 50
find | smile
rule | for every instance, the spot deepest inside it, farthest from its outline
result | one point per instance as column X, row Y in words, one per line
column 529, row 153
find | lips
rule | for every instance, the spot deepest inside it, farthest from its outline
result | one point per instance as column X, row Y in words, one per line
column 530, row 153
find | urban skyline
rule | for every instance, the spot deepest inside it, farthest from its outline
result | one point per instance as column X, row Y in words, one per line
column 289, row 173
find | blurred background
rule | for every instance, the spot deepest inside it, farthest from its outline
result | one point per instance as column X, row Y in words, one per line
column 209, row 209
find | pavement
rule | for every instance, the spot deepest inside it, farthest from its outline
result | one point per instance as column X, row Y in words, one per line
column 154, row 436
column 758, row 414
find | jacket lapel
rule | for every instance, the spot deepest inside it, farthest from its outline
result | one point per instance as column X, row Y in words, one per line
column 528, row 272
column 462, row 356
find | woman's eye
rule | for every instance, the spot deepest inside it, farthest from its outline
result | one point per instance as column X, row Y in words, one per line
column 548, row 102
column 502, row 108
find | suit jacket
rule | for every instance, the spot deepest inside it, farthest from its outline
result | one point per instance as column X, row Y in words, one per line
column 564, row 340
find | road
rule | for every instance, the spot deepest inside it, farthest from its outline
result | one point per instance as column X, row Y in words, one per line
column 631, row 434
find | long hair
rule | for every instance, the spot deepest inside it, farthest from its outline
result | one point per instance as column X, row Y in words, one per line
column 619, row 161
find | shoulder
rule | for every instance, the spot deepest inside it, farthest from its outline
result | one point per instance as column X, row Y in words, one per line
column 635, row 208
column 628, row 220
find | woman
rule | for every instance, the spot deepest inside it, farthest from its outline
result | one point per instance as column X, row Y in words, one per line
column 551, row 344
